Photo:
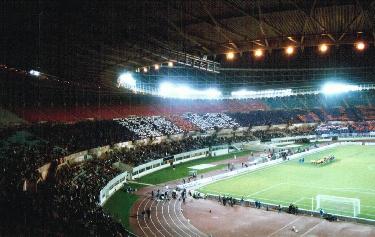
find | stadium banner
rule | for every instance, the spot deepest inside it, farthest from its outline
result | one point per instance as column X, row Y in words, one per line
column 224, row 131
column 98, row 151
column 259, row 128
column 292, row 139
column 278, row 126
column 111, row 187
column 127, row 144
column 159, row 164
column 220, row 152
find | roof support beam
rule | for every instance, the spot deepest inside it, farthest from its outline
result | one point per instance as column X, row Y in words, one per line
column 186, row 36
column 218, row 26
column 307, row 17
column 351, row 23
column 261, row 27
column 245, row 13
column 368, row 14
column 311, row 16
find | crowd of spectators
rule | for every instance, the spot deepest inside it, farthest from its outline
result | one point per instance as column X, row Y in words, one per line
column 55, row 207
column 184, row 124
column 68, row 202
column 153, row 126
column 145, row 153
column 82, row 135
column 210, row 121
column 363, row 127
column 333, row 128
column 267, row 135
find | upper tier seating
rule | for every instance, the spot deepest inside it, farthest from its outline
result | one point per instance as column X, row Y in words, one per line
column 211, row 120
column 154, row 126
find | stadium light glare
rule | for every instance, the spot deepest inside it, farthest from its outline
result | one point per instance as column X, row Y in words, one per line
column 126, row 80
column 167, row 89
column 145, row 70
column 262, row 93
column 156, row 66
column 212, row 93
column 360, row 45
column 230, row 56
column 332, row 88
column 34, row 73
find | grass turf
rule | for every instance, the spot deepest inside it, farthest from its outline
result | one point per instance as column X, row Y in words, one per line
column 120, row 204
column 182, row 170
column 351, row 175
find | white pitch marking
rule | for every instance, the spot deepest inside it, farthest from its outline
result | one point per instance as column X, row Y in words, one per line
column 311, row 229
column 295, row 220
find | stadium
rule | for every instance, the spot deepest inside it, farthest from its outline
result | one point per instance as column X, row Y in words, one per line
column 187, row 118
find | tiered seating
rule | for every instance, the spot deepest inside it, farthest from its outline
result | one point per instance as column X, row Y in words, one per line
column 211, row 120
column 90, row 134
column 106, row 112
column 8, row 118
column 154, row 126
column 368, row 113
column 363, row 127
column 182, row 123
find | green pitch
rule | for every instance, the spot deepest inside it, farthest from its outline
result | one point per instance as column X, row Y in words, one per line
column 182, row 170
column 351, row 175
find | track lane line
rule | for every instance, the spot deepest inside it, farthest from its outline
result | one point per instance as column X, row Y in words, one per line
column 311, row 229
column 139, row 224
column 157, row 218
column 285, row 226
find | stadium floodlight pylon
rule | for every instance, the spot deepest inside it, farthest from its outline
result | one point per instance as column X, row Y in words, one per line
column 339, row 205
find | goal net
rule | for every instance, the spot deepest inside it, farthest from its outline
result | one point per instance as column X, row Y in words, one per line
column 339, row 205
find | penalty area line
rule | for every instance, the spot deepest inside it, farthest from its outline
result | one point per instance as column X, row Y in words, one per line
column 265, row 189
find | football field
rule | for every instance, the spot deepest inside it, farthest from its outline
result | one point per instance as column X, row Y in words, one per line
column 351, row 176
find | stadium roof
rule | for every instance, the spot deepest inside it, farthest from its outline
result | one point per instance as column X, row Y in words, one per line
column 92, row 41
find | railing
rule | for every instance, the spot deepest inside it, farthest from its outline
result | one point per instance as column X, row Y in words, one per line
column 112, row 186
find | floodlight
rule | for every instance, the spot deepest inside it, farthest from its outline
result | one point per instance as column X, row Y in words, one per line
column 332, row 88
column 34, row 73
column 289, row 50
column 323, row 48
column 170, row 64
column 360, row 45
column 230, row 56
column 258, row 53
column 156, row 66
column 145, row 69
column 126, row 80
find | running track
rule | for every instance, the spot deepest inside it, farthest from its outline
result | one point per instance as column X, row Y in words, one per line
column 166, row 220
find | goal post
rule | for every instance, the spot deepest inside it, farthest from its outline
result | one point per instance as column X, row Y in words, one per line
column 339, row 205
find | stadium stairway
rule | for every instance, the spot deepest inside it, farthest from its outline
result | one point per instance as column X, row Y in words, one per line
column 8, row 118
column 236, row 147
